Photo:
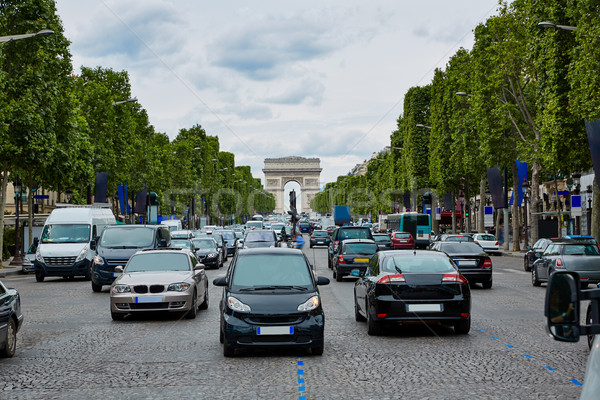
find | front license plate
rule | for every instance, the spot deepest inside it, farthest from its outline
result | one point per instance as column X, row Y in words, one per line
column 275, row 330
column 361, row 260
column 424, row 307
column 148, row 299
column 116, row 274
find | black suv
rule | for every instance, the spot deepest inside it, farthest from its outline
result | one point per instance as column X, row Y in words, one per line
column 342, row 233
column 118, row 243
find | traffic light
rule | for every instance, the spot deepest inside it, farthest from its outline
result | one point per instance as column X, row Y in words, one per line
column 427, row 198
column 153, row 199
column 293, row 200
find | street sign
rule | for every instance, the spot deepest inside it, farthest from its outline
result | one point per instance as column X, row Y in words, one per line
column 488, row 216
column 576, row 206
column 438, row 213
column 41, row 196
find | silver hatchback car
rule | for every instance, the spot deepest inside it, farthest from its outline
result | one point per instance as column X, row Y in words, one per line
column 160, row 280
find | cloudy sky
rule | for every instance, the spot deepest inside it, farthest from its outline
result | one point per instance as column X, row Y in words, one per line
column 275, row 78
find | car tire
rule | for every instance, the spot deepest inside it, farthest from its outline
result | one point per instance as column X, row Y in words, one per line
column 463, row 327
column 534, row 277
column 117, row 316
column 373, row 327
column 357, row 315
column 584, row 285
column 317, row 351
column 228, row 350
column 338, row 277
column 487, row 284
column 96, row 288
column 204, row 304
column 10, row 346
column 526, row 264
column 193, row 311
column 329, row 263
column 39, row 275
column 311, row 246
column 221, row 336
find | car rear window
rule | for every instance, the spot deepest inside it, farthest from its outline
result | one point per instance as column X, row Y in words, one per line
column 320, row 233
column 487, row 237
column 260, row 236
column 581, row 250
column 459, row 239
column 419, row 265
column 270, row 269
column 355, row 234
column 360, row 248
column 381, row 238
column 403, row 235
column 464, row 247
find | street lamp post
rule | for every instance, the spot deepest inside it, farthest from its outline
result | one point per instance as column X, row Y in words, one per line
column 589, row 193
column 17, row 260
column 12, row 38
column 548, row 24
column 462, row 212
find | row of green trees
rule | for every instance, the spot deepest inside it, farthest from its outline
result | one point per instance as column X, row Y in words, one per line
column 522, row 93
column 57, row 129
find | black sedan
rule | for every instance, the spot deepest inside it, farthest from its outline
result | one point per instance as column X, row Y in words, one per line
column 270, row 299
column 472, row 261
column 207, row 252
column 11, row 319
column 410, row 286
column 383, row 241
column 319, row 238
column 352, row 254
column 580, row 257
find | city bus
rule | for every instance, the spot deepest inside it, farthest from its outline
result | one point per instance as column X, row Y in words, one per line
column 419, row 226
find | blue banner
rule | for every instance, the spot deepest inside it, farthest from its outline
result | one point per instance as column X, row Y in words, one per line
column 121, row 199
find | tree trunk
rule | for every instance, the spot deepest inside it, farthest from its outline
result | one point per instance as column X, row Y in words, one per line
column 3, row 185
column 30, row 210
column 535, row 202
column 515, row 211
column 453, row 214
column 481, row 227
column 596, row 210
column 435, row 224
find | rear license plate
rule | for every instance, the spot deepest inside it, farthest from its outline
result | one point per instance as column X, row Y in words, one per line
column 148, row 299
column 424, row 307
column 320, row 242
column 361, row 260
column 467, row 263
column 275, row 330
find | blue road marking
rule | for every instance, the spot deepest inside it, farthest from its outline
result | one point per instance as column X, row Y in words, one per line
column 509, row 346
column 550, row 368
column 527, row 355
column 300, row 362
column 300, row 372
column 575, row 381
column 494, row 337
column 301, row 385
column 300, row 380
column 480, row 330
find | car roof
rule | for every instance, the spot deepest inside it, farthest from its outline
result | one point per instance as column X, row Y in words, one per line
column 164, row 250
column 270, row 251
column 412, row 253
column 350, row 241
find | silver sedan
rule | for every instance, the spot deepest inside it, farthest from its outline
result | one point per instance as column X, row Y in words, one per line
column 159, row 280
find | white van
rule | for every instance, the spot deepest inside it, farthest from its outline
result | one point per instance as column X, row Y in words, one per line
column 68, row 241
column 173, row 224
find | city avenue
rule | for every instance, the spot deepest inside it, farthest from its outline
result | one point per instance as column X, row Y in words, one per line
column 70, row 348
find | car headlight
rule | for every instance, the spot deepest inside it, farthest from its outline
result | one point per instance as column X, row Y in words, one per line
column 309, row 304
column 82, row 255
column 121, row 289
column 178, row 287
column 38, row 256
column 237, row 305
column 99, row 260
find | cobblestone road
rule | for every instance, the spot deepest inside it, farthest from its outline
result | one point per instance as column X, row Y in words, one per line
column 70, row 348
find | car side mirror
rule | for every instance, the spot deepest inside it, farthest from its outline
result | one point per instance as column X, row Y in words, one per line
column 562, row 306
column 162, row 243
column 119, row 268
column 220, row 281
column 199, row 266
column 538, row 255
column 321, row 280
column 92, row 245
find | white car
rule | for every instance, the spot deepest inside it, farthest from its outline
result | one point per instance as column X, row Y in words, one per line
column 488, row 242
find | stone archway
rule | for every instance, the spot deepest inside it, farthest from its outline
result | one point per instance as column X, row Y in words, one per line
column 305, row 171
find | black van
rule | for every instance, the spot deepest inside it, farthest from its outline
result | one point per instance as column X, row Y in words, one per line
column 118, row 243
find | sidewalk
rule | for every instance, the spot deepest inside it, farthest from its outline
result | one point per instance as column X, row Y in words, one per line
column 9, row 269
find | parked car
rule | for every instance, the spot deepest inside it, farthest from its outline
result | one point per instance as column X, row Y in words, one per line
column 344, row 233
column 353, row 254
column 207, row 252
column 260, row 238
column 472, row 262
column 580, row 257
column 11, row 320
column 160, row 280
column 582, row 238
column 319, row 238
column 270, row 299
column 402, row 240
column 415, row 286
column 533, row 252
column 383, row 241
column 488, row 242
column 118, row 243
column 28, row 261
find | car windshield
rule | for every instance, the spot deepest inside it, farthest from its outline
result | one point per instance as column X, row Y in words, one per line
column 204, row 244
column 127, row 237
column 354, row 234
column 381, row 238
column 66, row 233
column 258, row 236
column 464, row 247
column 360, row 248
column 320, row 233
column 227, row 235
column 239, row 235
column 258, row 270
column 581, row 250
column 277, row 227
column 181, row 244
column 419, row 265
column 149, row 262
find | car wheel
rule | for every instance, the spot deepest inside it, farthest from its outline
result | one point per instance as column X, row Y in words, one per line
column 526, row 264
column 311, row 246
column 191, row 314
column 317, row 351
column 329, row 263
column 588, row 321
column 221, row 336
column 11, row 340
column 584, row 285
column 534, row 277
column 96, row 288
column 357, row 315
column 463, row 327
column 338, row 277
column 487, row 284
column 228, row 350
column 204, row 304
column 117, row 316
column 39, row 275
column 373, row 327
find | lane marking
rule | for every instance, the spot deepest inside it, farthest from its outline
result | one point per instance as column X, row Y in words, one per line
column 301, row 384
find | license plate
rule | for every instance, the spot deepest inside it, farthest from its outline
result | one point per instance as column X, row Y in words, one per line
column 275, row 330
column 361, row 260
column 424, row 307
column 116, row 274
column 320, row 242
column 467, row 263
column 148, row 299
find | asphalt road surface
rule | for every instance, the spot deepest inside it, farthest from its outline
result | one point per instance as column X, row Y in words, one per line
column 69, row 347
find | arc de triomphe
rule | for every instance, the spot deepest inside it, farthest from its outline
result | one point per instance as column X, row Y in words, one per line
column 279, row 171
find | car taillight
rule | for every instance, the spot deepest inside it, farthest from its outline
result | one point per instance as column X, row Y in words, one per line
column 487, row 263
column 453, row 278
column 312, row 237
column 497, row 244
column 392, row 278
column 559, row 262
column 341, row 260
